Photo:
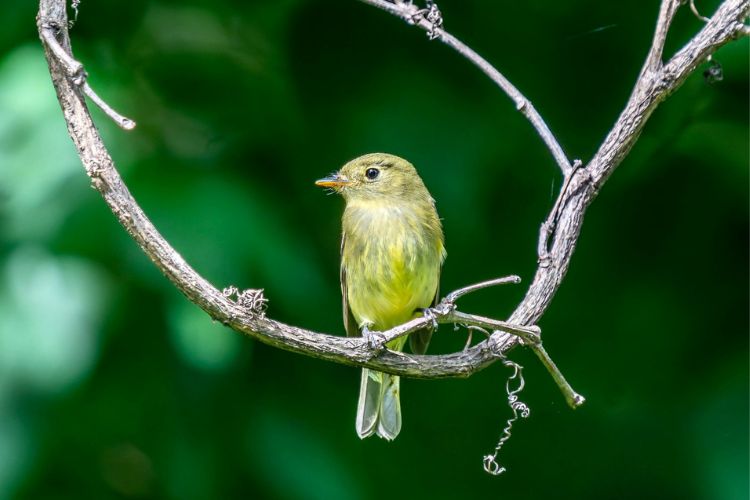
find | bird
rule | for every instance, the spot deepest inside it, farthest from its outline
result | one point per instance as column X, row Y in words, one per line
column 392, row 252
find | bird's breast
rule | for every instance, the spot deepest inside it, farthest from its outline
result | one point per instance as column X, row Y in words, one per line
column 392, row 262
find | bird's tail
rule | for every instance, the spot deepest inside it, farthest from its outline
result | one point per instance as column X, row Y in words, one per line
column 379, row 409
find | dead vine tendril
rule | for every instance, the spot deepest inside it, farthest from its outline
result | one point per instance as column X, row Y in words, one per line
column 520, row 410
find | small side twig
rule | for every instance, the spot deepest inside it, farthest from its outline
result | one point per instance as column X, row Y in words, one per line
column 697, row 14
column 726, row 25
column 457, row 294
column 122, row 121
column 447, row 312
column 78, row 76
column 573, row 399
column 667, row 11
column 73, row 68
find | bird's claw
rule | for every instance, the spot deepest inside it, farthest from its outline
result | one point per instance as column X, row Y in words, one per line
column 444, row 307
column 375, row 340
column 432, row 315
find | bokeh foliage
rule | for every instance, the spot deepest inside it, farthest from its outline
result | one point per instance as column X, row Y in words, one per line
column 113, row 385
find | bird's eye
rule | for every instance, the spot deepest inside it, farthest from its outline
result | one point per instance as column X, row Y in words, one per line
column 372, row 173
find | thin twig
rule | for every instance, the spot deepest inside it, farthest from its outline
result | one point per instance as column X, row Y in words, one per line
column 72, row 67
column 122, row 121
column 667, row 11
column 573, row 399
column 696, row 13
column 448, row 315
column 457, row 294
column 724, row 26
column 529, row 334
column 414, row 15
column 650, row 89
column 446, row 312
column 78, row 76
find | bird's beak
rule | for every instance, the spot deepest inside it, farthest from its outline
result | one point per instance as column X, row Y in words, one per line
column 335, row 181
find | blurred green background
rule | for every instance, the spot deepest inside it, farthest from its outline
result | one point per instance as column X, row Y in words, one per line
column 113, row 386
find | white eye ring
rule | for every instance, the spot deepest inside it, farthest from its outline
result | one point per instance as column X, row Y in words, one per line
column 372, row 173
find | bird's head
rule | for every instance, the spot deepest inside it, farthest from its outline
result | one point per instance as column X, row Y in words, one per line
column 377, row 176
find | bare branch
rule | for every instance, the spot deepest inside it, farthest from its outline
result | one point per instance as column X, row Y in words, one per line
column 446, row 313
column 414, row 15
column 106, row 180
column 74, row 69
column 650, row 90
column 666, row 13
column 122, row 121
column 457, row 294
column 573, row 399
column 246, row 313
column 235, row 314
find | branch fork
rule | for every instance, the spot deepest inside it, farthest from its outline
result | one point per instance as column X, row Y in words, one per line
column 446, row 311
column 245, row 311
column 49, row 32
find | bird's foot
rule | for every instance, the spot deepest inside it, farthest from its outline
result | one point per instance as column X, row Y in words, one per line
column 432, row 315
column 375, row 340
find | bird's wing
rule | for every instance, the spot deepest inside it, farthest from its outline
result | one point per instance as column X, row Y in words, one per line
column 350, row 324
column 419, row 340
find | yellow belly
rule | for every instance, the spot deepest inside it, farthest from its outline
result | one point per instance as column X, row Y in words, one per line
column 390, row 276
column 382, row 297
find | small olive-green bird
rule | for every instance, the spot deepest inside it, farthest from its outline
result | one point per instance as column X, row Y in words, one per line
column 391, row 255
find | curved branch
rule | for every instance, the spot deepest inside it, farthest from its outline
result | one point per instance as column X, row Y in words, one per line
column 430, row 20
column 52, row 25
column 655, row 83
column 579, row 190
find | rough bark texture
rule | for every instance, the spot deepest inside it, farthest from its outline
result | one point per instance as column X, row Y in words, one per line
column 562, row 228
